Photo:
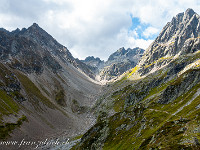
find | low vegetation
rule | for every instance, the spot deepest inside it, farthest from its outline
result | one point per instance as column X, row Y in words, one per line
column 6, row 129
column 143, row 121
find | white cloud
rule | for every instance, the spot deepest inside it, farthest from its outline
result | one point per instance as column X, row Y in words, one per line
column 158, row 12
column 93, row 27
column 150, row 31
column 131, row 40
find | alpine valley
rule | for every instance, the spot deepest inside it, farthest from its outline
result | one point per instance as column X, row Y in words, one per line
column 137, row 99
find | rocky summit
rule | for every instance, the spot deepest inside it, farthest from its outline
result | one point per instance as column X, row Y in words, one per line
column 137, row 99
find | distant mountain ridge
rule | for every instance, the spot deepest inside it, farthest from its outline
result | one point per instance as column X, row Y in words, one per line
column 121, row 54
column 118, row 62
column 95, row 62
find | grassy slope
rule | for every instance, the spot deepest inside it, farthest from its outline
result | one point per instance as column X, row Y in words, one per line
column 149, row 124
column 9, row 103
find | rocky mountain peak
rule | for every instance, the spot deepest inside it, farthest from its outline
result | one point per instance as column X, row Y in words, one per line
column 91, row 58
column 121, row 50
column 35, row 25
column 123, row 53
column 187, row 15
column 189, row 12
column 33, row 30
column 39, row 35
column 4, row 30
column 36, row 30
column 173, row 37
column 135, row 51
column 93, row 62
column 181, row 25
column 16, row 31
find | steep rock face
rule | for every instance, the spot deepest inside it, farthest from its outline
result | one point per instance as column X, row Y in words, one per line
column 129, row 54
column 41, row 37
column 119, row 62
column 178, row 37
column 46, row 49
column 94, row 62
column 115, row 69
column 25, row 54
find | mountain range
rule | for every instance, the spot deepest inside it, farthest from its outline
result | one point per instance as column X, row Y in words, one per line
column 43, row 87
column 156, row 104
column 118, row 63
column 137, row 99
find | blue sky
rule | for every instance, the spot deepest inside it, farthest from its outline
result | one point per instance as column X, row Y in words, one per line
column 95, row 27
column 140, row 28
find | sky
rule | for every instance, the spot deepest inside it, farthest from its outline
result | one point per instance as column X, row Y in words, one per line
column 95, row 27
